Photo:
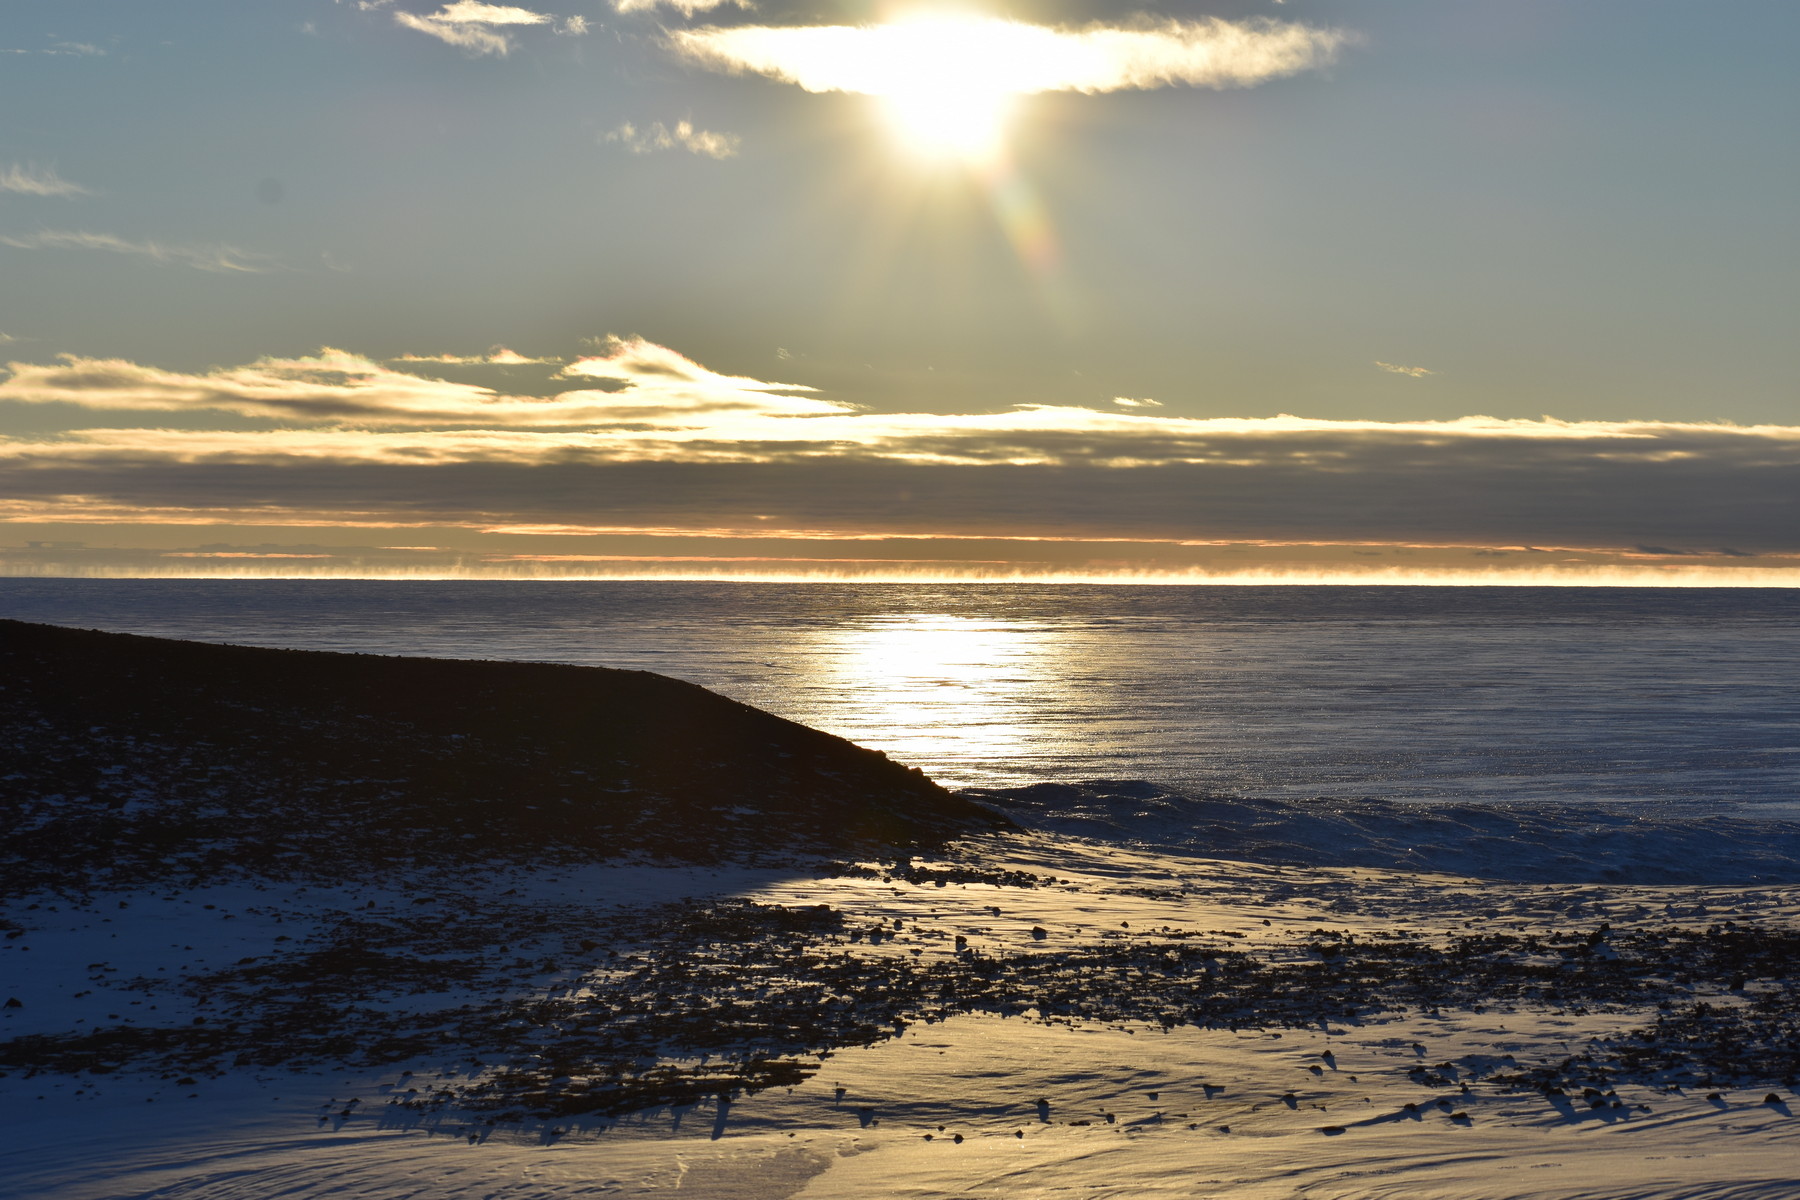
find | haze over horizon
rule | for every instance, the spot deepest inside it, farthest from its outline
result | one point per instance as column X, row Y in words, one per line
column 1239, row 290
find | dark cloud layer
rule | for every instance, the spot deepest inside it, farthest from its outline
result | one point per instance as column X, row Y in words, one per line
column 1455, row 499
column 644, row 438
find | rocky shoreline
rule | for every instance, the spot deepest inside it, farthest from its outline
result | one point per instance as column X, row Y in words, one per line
column 630, row 923
column 131, row 761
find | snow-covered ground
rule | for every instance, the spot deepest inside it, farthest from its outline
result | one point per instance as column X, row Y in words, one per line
column 1128, row 1113
column 1389, row 1102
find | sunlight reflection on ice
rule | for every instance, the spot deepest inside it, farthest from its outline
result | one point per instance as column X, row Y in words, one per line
column 1674, row 696
column 933, row 685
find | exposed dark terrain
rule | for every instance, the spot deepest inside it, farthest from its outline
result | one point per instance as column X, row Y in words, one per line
column 676, row 1003
column 127, row 759
column 139, row 771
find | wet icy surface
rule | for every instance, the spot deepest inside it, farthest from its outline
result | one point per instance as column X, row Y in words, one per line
column 1519, row 841
column 1679, row 697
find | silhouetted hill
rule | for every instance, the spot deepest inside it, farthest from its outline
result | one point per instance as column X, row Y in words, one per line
column 131, row 758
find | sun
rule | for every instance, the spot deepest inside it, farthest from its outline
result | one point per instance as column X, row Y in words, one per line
column 946, row 85
column 965, row 122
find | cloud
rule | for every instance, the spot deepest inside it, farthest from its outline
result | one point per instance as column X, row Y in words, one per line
column 331, row 386
column 473, row 12
column 682, row 137
column 476, row 39
column 1397, row 369
column 475, row 27
column 1481, row 491
column 643, row 400
column 654, row 440
column 686, row 8
column 76, row 49
column 218, row 259
column 498, row 356
column 31, row 180
column 1128, row 402
column 635, row 385
column 656, row 384
column 1011, row 57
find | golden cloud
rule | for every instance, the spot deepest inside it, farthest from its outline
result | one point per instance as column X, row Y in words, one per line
column 1013, row 57
column 648, row 438
column 477, row 27
column 644, row 384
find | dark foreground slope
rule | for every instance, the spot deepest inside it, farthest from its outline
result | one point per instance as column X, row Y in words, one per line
column 128, row 758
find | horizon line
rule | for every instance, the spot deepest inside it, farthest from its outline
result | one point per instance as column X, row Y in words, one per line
column 1669, row 577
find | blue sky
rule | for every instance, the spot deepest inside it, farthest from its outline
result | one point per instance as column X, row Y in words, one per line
column 1449, row 208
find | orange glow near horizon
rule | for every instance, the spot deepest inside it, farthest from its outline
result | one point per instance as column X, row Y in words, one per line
column 751, row 569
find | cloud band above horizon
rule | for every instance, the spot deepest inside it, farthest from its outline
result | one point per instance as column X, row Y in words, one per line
column 643, row 437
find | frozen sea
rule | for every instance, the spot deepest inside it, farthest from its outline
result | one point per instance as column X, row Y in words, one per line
column 1462, row 700
column 1674, row 698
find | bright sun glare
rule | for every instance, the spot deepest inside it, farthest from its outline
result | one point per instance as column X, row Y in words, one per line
column 963, row 123
column 946, row 92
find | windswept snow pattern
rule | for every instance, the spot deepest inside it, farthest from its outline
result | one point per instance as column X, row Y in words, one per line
column 1061, row 1013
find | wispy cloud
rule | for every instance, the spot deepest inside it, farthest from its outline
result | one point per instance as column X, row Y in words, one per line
column 28, row 179
column 634, row 386
column 655, row 381
column 685, row 7
column 1398, row 369
column 74, row 49
column 499, row 356
column 1012, row 57
column 1128, row 402
column 476, row 39
column 218, row 259
column 478, row 28
column 473, row 12
column 682, row 136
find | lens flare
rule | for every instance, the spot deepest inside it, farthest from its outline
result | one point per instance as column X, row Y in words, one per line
column 1022, row 217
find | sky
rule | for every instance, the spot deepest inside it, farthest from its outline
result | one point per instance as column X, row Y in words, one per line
column 1462, row 290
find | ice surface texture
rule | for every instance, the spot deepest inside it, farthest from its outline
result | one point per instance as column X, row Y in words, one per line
column 1544, row 842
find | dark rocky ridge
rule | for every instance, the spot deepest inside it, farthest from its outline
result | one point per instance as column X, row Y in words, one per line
column 125, row 759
